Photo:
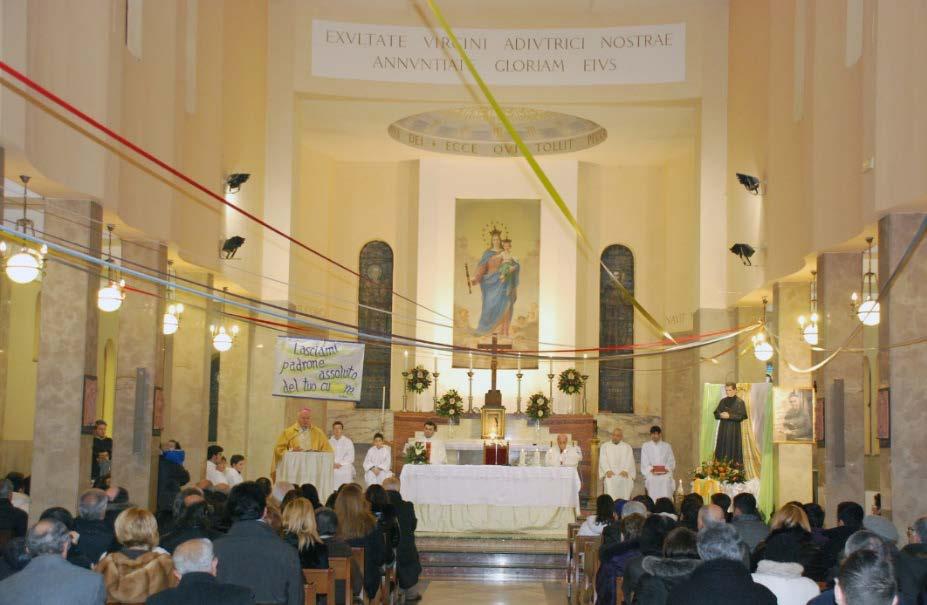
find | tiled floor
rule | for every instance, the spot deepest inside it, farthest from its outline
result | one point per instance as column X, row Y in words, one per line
column 447, row 592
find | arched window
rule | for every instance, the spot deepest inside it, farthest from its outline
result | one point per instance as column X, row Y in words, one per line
column 374, row 296
column 616, row 327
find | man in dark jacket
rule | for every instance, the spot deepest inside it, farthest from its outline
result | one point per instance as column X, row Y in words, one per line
column 408, row 565
column 96, row 537
column 849, row 521
column 171, row 477
column 747, row 520
column 252, row 555
column 11, row 518
column 101, row 443
column 195, row 566
column 912, row 562
column 722, row 578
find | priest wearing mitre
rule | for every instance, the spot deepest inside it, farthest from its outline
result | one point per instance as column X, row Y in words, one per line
column 300, row 437
column 616, row 467
column 564, row 454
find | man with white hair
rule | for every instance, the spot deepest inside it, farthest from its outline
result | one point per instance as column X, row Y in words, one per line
column 616, row 467
column 564, row 454
column 49, row 578
column 96, row 536
column 710, row 514
column 195, row 566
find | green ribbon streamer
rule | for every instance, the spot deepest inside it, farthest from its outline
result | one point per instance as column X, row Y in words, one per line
column 536, row 168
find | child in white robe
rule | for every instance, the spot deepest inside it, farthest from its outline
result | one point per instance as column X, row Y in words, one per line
column 377, row 462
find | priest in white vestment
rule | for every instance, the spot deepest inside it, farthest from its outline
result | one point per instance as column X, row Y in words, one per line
column 343, row 469
column 438, row 451
column 564, row 454
column 657, row 465
column 616, row 467
column 377, row 462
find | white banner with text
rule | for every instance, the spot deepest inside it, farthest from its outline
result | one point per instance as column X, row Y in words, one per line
column 645, row 54
column 318, row 369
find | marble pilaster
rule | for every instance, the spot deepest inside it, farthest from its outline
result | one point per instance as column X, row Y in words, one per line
column 839, row 276
column 67, row 352
column 233, row 393
column 140, row 344
column 266, row 413
column 902, row 368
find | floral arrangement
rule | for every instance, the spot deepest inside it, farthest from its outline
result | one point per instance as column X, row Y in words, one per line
column 416, row 453
column 570, row 382
column 418, row 380
column 450, row 404
column 538, row 406
column 725, row 471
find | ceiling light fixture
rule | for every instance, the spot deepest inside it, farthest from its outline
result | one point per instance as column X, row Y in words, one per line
column 868, row 311
column 110, row 296
column 28, row 264
column 223, row 338
column 809, row 327
column 171, row 321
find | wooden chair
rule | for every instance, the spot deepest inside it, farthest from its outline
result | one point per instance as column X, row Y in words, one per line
column 320, row 582
column 342, row 568
column 357, row 554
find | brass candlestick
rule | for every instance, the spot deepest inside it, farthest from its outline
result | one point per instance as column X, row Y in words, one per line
column 405, row 390
column 435, row 374
column 518, row 376
column 550, row 381
column 585, row 377
column 470, row 396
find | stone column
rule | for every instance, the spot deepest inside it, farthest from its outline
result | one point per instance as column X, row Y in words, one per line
column 794, row 461
column 902, row 368
column 67, row 352
column 137, row 373
column 749, row 368
column 838, row 276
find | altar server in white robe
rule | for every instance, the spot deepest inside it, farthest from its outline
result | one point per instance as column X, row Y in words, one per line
column 657, row 465
column 377, row 462
column 564, row 454
column 616, row 467
column 343, row 471
column 438, row 451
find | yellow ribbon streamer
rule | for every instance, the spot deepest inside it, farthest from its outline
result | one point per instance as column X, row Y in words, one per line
column 536, row 168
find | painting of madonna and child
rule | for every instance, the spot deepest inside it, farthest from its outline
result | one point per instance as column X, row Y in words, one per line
column 497, row 259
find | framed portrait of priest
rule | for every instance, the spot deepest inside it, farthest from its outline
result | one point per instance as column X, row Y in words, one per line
column 793, row 413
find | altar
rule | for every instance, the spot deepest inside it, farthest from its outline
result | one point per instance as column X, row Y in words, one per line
column 492, row 499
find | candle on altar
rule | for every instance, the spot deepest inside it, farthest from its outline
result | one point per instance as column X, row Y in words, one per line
column 519, row 362
column 471, row 362
column 436, row 363
column 405, row 356
column 550, row 364
column 585, row 357
column 383, row 408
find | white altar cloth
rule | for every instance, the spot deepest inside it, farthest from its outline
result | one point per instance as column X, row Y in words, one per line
column 308, row 467
column 510, row 499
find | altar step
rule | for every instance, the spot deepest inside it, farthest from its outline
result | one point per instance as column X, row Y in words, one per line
column 492, row 558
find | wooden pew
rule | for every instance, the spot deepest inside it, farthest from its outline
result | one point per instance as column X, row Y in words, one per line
column 619, row 590
column 572, row 530
column 586, row 549
column 590, row 570
column 357, row 554
column 319, row 582
column 342, row 569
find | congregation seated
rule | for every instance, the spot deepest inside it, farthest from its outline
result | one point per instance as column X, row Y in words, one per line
column 327, row 523
column 723, row 501
column 195, row 568
column 187, row 496
column 64, row 516
column 688, row 511
column 790, row 537
column 604, row 514
column 172, row 476
column 647, row 501
column 358, row 527
column 784, row 556
column 912, row 561
column 653, row 535
column 386, row 519
column 663, row 572
column 253, row 555
column 48, row 577
column 665, row 506
column 96, row 537
column 13, row 557
column 310, row 493
column 816, row 521
column 265, row 485
column 860, row 540
column 849, row 521
column 408, row 565
column 867, row 578
column 193, row 523
column 617, row 549
column 300, row 532
column 118, row 502
column 722, row 578
column 140, row 568
column 11, row 518
column 746, row 520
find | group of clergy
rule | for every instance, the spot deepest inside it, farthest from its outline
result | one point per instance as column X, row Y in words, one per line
column 617, row 469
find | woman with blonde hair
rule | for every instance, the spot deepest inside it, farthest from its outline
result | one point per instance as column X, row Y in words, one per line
column 358, row 527
column 141, row 568
column 299, row 530
column 790, row 541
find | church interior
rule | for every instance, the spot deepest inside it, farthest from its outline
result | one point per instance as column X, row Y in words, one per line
column 519, row 221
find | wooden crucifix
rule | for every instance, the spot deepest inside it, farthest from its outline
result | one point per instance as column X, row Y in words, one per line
column 493, row 395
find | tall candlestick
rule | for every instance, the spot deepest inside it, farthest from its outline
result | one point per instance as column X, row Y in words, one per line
column 436, row 362
column 383, row 410
column 471, row 362
column 519, row 362
column 550, row 364
column 405, row 362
